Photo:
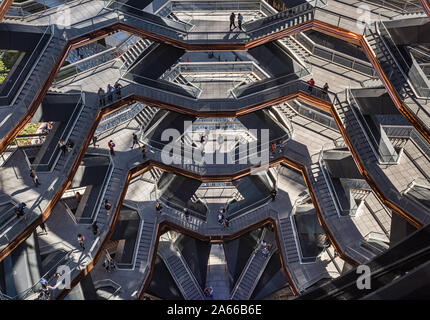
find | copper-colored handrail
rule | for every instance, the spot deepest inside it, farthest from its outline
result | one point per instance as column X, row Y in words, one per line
column 149, row 164
column 4, row 7
column 316, row 25
column 426, row 5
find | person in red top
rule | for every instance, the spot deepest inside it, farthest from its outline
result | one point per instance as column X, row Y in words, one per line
column 111, row 146
column 311, row 84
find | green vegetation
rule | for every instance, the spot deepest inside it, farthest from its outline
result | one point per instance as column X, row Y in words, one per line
column 7, row 61
column 30, row 128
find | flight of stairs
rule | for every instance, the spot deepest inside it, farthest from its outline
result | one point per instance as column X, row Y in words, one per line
column 354, row 131
column 155, row 174
column 250, row 275
column 384, row 58
column 78, row 135
column 288, row 239
column 321, row 190
column 296, row 48
column 180, row 272
column 131, row 55
column 288, row 111
column 279, row 22
column 146, row 241
column 113, row 192
column 145, row 116
column 40, row 72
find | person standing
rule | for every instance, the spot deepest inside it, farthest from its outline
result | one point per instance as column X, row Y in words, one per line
column 111, row 146
column 101, row 94
column 33, row 175
column 135, row 141
column 110, row 91
column 143, row 149
column 239, row 21
column 232, row 18
column 118, row 87
column 311, row 84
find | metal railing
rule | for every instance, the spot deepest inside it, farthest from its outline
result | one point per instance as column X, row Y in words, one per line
column 99, row 202
column 38, row 49
column 215, row 67
column 177, row 88
column 49, row 276
column 212, row 6
column 340, row 210
column 85, row 64
column 35, row 9
column 376, row 146
column 108, row 283
column 336, row 57
column 56, row 153
column 410, row 71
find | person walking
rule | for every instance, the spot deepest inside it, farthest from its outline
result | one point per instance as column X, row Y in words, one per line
column 101, row 94
column 43, row 227
column 78, row 196
column 95, row 228
column 239, row 21
column 106, row 264
column 226, row 222
column 112, row 264
column 187, row 215
column 111, row 146
column 325, row 90
column 135, row 141
column 95, row 142
column 81, row 240
column 19, row 211
column 232, row 18
column 33, row 175
column 158, row 207
column 143, row 149
column 62, row 146
column 273, row 193
column 70, row 145
column 220, row 218
column 108, row 206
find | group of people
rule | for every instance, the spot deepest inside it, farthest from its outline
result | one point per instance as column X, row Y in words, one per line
column 265, row 248
column 279, row 146
column 208, row 292
column 135, row 139
column 63, row 146
column 239, row 21
column 109, row 264
column 311, row 85
column 222, row 219
column 110, row 92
